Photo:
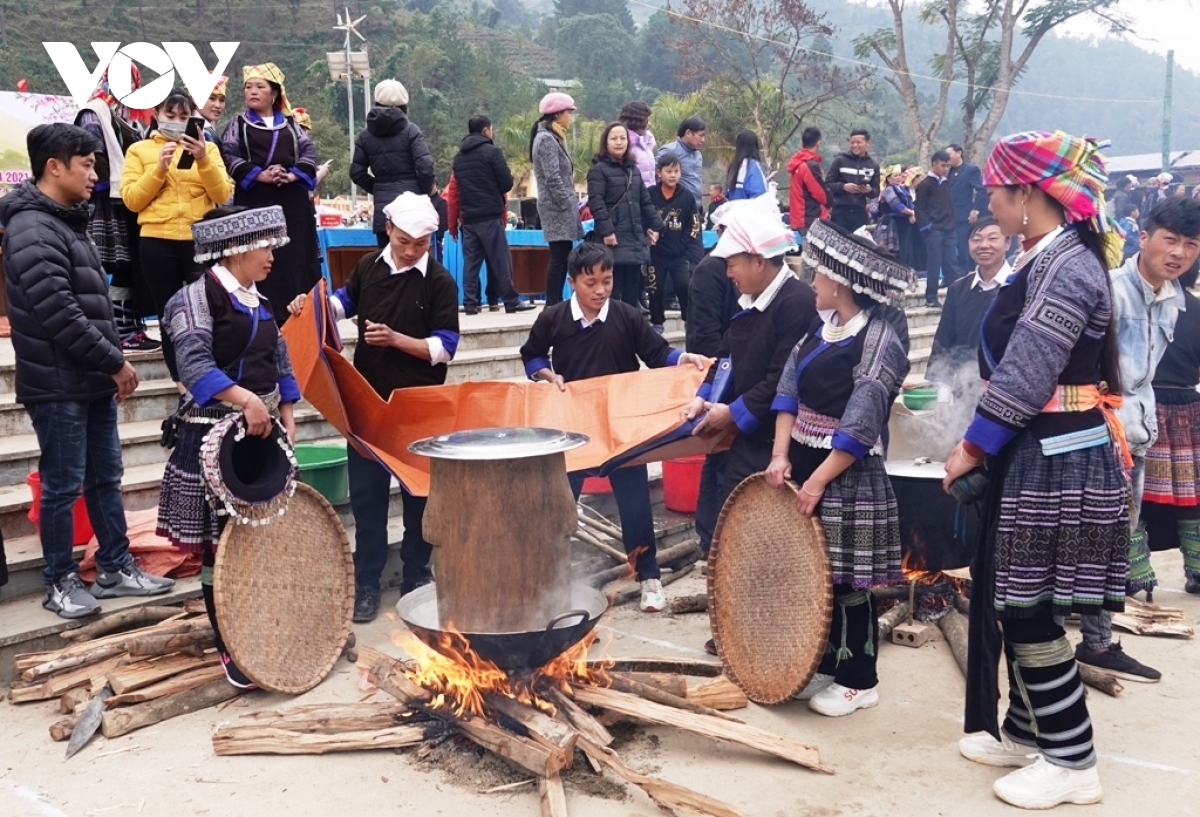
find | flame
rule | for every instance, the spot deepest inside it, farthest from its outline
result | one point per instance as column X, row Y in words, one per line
column 461, row 679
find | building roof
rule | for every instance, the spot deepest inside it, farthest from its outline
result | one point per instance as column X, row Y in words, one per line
column 1141, row 162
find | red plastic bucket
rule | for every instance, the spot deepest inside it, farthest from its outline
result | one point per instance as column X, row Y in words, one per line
column 83, row 524
column 681, row 483
column 596, row 485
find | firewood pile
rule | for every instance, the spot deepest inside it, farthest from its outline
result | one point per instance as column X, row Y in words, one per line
column 164, row 667
column 547, row 723
column 610, row 565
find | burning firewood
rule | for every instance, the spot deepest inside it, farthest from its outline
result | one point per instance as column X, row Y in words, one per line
column 575, row 716
column 719, row 693
column 552, row 734
column 741, row 734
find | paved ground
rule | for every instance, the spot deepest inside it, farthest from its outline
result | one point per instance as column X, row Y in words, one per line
column 896, row 759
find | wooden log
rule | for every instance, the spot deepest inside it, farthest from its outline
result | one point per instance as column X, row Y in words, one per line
column 664, row 681
column 152, row 670
column 608, row 550
column 623, row 683
column 680, row 666
column 97, row 646
column 599, row 520
column 70, row 662
column 889, row 620
column 331, row 718
column 126, row 719
column 1098, row 679
column 195, row 641
column 737, row 733
column 173, row 685
column 72, row 698
column 635, row 593
column 522, row 752
column 621, row 571
column 544, row 729
column 388, row 674
column 552, row 796
column 719, row 693
column 669, row 797
column 953, row 625
column 269, row 740
column 61, row 730
column 575, row 716
column 54, row 686
column 689, row 604
column 680, row 553
column 124, row 619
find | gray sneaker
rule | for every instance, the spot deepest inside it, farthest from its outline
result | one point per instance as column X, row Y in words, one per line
column 67, row 598
column 130, row 580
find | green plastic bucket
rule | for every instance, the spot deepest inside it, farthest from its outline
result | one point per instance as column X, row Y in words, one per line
column 323, row 466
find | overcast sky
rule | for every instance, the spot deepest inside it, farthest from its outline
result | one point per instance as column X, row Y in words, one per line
column 1161, row 25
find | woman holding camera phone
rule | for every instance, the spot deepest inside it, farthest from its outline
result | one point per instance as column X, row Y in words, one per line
column 171, row 179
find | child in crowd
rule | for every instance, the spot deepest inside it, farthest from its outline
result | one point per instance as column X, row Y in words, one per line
column 679, row 246
column 1129, row 225
column 592, row 336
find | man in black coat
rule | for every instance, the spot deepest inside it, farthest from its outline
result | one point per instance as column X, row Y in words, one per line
column 483, row 180
column 935, row 221
column 390, row 156
column 970, row 200
column 851, row 181
column 70, row 368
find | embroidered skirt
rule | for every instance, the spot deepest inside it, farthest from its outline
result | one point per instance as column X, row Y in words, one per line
column 110, row 230
column 185, row 516
column 860, row 517
column 1061, row 536
column 1173, row 462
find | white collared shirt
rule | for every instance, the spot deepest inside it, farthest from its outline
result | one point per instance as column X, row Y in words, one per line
column 421, row 266
column 580, row 318
column 998, row 280
column 247, row 296
column 767, row 295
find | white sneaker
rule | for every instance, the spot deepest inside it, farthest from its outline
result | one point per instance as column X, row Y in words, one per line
column 130, row 580
column 983, row 748
column 1043, row 785
column 836, row 700
column 653, row 598
column 818, row 683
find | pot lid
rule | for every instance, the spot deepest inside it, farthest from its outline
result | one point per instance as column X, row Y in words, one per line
column 916, row 469
column 498, row 443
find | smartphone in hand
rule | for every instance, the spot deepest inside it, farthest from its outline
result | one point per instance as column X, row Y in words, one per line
column 194, row 129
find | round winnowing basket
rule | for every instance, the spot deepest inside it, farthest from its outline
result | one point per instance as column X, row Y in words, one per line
column 285, row 594
column 770, row 591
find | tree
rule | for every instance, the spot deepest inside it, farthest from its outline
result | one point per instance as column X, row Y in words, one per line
column 987, row 47
column 754, row 55
column 600, row 52
column 575, row 8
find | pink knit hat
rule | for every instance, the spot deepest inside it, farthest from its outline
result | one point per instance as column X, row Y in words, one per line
column 556, row 102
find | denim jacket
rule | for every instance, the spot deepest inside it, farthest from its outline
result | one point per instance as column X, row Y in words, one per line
column 1145, row 325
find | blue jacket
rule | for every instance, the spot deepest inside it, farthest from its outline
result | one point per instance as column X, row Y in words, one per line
column 751, row 186
column 1145, row 325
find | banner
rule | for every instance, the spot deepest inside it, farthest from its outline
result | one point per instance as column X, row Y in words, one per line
column 19, row 114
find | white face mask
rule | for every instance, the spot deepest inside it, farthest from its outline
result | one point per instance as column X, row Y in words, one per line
column 172, row 130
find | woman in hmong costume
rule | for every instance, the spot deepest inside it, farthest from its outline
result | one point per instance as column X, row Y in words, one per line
column 274, row 162
column 113, row 228
column 832, row 404
column 235, row 365
column 1054, row 537
column 1171, row 499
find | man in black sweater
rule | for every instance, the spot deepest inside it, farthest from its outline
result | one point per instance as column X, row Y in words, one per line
column 851, row 181
column 592, row 335
column 484, row 180
column 935, row 221
column 953, row 361
column 407, row 307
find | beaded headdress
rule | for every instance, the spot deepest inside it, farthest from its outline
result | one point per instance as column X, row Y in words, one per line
column 247, row 478
column 855, row 262
column 239, row 232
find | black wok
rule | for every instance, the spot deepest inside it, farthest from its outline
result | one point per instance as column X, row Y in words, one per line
column 508, row 651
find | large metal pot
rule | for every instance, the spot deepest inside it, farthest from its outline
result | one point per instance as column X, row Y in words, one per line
column 936, row 532
column 508, row 651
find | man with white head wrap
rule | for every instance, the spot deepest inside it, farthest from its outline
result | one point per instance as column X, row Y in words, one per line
column 407, row 308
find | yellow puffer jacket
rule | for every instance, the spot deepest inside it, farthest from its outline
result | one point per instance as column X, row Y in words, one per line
column 169, row 201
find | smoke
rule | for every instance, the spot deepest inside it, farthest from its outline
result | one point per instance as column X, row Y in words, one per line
column 934, row 433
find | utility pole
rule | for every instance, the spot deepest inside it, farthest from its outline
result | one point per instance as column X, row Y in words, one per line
column 348, row 26
column 1166, row 128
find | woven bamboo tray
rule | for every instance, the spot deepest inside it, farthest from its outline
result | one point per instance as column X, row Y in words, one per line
column 770, row 591
column 285, row 594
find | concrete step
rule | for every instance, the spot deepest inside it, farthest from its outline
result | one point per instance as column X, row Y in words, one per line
column 921, row 337
column 923, row 316
column 19, row 453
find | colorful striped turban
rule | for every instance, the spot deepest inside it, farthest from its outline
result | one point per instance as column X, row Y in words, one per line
column 302, row 118
column 271, row 73
column 755, row 227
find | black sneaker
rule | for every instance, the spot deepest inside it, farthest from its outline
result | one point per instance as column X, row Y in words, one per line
column 1192, row 586
column 1114, row 661
column 710, row 646
column 235, row 676
column 521, row 307
column 934, row 304
column 139, row 343
column 366, row 604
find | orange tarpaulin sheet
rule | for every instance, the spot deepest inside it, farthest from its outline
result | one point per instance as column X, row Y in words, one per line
column 617, row 413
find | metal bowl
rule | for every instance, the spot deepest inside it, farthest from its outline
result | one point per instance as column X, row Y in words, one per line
column 498, row 443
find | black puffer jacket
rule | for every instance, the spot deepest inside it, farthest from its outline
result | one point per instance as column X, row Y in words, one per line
column 621, row 204
column 62, row 320
column 483, row 178
column 394, row 150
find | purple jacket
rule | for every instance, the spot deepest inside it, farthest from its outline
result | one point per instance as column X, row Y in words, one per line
column 642, row 147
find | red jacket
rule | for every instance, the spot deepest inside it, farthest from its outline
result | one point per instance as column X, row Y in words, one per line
column 454, row 212
column 807, row 199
